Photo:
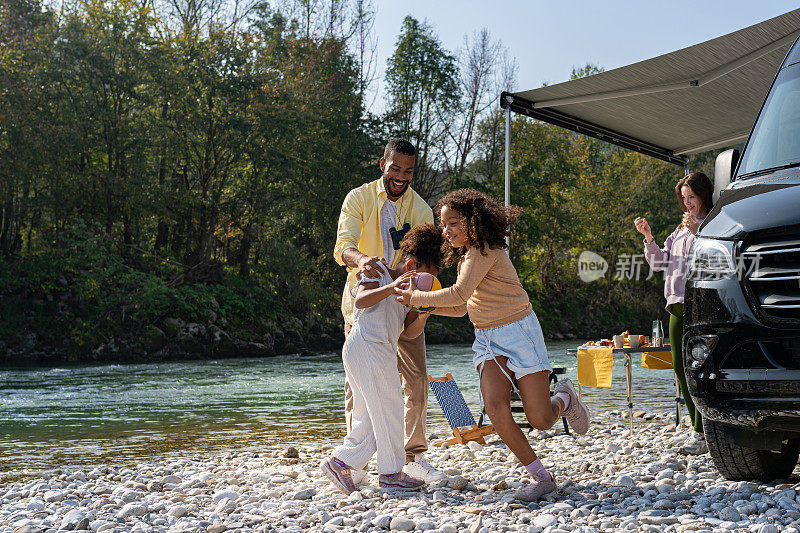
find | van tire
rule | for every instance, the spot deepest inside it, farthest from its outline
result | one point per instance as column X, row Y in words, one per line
column 739, row 463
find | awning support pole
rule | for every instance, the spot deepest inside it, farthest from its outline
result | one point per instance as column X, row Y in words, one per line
column 508, row 162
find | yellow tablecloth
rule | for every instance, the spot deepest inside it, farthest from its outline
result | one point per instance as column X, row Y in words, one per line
column 657, row 360
column 595, row 366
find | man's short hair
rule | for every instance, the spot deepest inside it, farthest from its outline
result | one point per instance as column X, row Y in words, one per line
column 401, row 146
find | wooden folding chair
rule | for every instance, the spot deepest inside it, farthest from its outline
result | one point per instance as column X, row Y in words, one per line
column 457, row 412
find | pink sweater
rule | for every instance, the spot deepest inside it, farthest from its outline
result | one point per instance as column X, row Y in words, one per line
column 672, row 259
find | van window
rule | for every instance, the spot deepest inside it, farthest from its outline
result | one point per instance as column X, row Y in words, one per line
column 775, row 141
column 794, row 54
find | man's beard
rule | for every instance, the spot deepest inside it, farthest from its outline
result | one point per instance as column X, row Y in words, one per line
column 389, row 191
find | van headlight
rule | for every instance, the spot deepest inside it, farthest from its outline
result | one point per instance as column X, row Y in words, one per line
column 710, row 259
column 699, row 348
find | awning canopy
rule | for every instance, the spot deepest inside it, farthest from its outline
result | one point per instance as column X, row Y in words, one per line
column 691, row 100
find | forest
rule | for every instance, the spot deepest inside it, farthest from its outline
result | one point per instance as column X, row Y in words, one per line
column 171, row 174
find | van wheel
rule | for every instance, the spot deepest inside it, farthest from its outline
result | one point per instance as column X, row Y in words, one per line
column 738, row 463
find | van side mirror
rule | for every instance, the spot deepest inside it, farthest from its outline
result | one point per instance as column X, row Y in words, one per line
column 724, row 167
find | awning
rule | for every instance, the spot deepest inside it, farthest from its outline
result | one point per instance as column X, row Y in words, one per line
column 695, row 99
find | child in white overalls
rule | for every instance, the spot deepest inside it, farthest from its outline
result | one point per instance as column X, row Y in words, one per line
column 370, row 363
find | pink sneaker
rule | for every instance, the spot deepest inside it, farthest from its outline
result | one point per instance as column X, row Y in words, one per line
column 399, row 481
column 339, row 474
column 577, row 414
column 536, row 489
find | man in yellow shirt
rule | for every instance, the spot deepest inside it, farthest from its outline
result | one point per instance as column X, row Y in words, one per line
column 374, row 219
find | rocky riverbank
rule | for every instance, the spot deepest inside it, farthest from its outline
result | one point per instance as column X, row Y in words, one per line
column 174, row 339
column 608, row 480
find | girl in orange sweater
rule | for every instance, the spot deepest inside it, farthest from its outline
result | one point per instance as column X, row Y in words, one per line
column 509, row 349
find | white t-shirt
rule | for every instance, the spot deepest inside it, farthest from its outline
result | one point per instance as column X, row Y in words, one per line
column 388, row 216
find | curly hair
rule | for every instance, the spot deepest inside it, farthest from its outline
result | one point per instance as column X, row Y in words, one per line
column 485, row 221
column 424, row 244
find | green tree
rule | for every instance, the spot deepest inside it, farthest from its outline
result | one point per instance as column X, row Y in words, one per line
column 423, row 93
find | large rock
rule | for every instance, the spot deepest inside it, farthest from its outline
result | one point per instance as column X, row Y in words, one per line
column 153, row 338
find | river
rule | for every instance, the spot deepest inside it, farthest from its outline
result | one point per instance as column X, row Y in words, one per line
column 88, row 415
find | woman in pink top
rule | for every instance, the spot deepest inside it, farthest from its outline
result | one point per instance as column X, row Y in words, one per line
column 694, row 197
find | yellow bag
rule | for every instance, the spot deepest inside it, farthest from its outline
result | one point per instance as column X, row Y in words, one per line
column 595, row 366
column 657, row 360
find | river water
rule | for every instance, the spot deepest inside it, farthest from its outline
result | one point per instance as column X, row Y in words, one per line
column 123, row 414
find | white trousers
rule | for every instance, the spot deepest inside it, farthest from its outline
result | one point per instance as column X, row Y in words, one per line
column 377, row 416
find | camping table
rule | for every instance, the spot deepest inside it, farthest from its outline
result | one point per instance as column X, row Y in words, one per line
column 626, row 352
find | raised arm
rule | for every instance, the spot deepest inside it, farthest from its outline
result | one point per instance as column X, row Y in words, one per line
column 472, row 271
column 369, row 293
column 658, row 258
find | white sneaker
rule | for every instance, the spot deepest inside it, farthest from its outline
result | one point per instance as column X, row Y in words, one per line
column 420, row 468
column 359, row 477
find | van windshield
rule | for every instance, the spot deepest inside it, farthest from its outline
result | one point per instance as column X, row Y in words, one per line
column 775, row 141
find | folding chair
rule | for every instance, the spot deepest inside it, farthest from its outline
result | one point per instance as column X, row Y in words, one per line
column 515, row 397
column 457, row 412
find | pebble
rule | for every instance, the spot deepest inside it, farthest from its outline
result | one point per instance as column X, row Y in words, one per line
column 401, row 523
column 545, row 520
column 457, row 482
column 291, row 453
column 382, row 522
column 625, row 481
column 225, row 495
column 177, row 511
column 131, row 509
column 608, row 480
column 217, row 527
column 307, row 494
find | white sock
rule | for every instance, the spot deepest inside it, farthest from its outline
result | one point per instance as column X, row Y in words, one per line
column 564, row 398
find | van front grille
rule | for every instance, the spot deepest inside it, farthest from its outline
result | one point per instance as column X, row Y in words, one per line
column 772, row 269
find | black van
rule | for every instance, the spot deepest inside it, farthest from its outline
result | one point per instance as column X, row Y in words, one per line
column 742, row 310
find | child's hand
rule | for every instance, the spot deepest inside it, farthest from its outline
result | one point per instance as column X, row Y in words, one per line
column 403, row 279
column 404, row 294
